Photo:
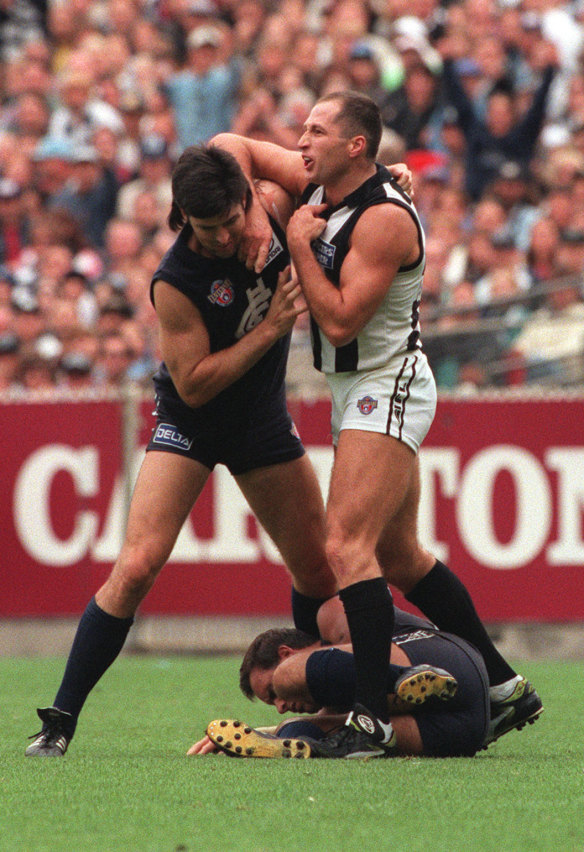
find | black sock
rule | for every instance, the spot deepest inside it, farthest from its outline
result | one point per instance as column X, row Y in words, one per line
column 98, row 641
column 331, row 678
column 369, row 609
column 304, row 610
column 443, row 598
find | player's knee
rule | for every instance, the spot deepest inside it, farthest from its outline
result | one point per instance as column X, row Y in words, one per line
column 136, row 574
column 403, row 566
column 344, row 558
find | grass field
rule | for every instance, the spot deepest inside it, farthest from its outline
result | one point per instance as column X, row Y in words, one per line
column 126, row 784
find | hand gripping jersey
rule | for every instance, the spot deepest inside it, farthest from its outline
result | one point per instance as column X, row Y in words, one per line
column 395, row 327
column 232, row 301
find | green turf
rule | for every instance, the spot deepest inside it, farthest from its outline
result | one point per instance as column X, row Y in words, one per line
column 126, row 784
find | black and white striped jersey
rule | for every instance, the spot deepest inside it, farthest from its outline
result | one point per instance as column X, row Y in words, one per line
column 395, row 326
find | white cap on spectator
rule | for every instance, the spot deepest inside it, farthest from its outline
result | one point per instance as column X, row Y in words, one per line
column 555, row 136
column 205, row 8
column 24, row 300
column 88, row 262
column 204, row 36
column 48, row 347
column 84, row 154
column 9, row 189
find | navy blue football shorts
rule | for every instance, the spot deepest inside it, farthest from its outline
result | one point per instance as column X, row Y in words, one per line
column 456, row 727
column 244, row 446
column 448, row 728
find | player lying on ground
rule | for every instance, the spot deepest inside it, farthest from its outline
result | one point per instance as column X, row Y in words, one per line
column 437, row 687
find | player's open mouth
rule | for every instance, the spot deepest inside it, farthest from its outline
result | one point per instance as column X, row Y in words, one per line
column 307, row 162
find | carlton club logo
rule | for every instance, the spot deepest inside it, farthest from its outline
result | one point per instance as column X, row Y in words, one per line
column 221, row 293
column 367, row 404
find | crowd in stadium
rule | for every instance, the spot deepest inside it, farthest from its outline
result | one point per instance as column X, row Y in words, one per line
column 483, row 100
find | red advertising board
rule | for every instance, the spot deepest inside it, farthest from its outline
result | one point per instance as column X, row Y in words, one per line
column 502, row 505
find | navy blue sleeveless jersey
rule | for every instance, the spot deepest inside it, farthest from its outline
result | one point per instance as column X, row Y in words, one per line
column 232, row 301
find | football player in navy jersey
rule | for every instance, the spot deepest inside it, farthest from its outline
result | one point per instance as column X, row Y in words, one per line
column 436, row 684
column 220, row 398
column 358, row 252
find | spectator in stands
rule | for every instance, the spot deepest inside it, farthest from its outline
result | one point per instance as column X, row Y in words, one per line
column 9, row 359
column 14, row 224
column 89, row 194
column 113, row 360
column 506, row 255
column 551, row 341
column 123, row 243
column 75, row 372
column 80, row 112
column 515, row 190
column 74, row 287
column 409, row 109
column 22, row 22
column 542, row 254
column 503, row 134
column 203, row 93
column 364, row 72
column 52, row 167
column 154, row 175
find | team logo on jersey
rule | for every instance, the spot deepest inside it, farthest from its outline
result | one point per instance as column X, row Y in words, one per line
column 275, row 249
column 324, row 252
column 367, row 404
column 258, row 298
column 168, row 436
column 221, row 293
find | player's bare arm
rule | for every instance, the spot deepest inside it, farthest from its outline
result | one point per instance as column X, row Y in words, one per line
column 199, row 374
column 384, row 239
column 265, row 160
column 262, row 161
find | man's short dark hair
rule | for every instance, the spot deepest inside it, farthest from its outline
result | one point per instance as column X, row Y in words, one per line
column 263, row 652
column 206, row 182
column 358, row 116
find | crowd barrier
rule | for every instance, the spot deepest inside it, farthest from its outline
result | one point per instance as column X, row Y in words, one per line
column 502, row 504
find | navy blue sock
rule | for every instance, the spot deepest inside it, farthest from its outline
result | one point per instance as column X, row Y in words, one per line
column 444, row 599
column 331, row 678
column 301, row 728
column 369, row 610
column 304, row 610
column 99, row 639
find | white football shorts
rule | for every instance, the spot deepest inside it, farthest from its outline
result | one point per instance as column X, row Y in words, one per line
column 398, row 399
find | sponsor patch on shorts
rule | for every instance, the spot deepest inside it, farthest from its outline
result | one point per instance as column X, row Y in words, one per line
column 166, row 435
column 367, row 404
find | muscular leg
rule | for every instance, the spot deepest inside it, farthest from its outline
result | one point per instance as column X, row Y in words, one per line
column 287, row 500
column 165, row 492
column 431, row 586
column 370, row 476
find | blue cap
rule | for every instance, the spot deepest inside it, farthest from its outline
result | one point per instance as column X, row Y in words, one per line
column 53, row 148
column 153, row 146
